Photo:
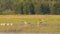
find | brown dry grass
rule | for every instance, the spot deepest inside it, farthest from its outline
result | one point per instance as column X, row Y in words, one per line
column 29, row 16
column 34, row 28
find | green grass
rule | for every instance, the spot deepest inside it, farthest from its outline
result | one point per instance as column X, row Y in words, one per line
column 18, row 19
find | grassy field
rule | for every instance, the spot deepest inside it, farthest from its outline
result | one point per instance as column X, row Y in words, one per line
column 47, row 23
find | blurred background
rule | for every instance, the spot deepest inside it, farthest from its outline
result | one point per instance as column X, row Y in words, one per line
column 27, row 7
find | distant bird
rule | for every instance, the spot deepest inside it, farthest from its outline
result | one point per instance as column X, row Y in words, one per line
column 2, row 24
column 41, row 22
column 25, row 23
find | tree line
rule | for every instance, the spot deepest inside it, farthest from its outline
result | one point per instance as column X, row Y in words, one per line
column 29, row 7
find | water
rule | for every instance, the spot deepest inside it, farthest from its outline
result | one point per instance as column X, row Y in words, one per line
column 30, row 33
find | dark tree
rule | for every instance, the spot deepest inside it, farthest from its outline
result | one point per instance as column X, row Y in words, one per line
column 45, row 9
column 57, row 8
column 32, row 9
